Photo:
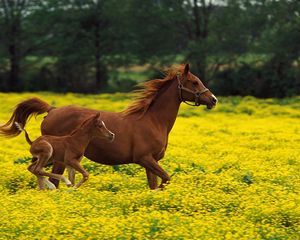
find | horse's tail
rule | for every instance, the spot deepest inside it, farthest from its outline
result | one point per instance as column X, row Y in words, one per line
column 21, row 129
column 23, row 111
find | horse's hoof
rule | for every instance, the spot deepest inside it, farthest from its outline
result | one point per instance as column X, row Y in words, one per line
column 68, row 183
column 50, row 185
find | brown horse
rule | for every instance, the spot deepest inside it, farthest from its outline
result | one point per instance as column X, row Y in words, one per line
column 67, row 150
column 141, row 130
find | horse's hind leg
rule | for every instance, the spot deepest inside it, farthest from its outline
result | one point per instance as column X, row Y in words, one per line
column 36, row 169
column 40, row 182
column 45, row 154
column 57, row 168
column 49, row 184
column 41, row 172
column 40, row 179
column 74, row 163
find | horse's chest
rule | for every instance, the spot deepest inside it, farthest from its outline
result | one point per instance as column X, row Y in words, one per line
column 156, row 145
column 156, row 142
column 161, row 147
column 160, row 154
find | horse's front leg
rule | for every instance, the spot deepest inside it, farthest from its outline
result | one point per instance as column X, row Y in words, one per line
column 152, row 179
column 152, row 166
column 71, row 174
column 75, row 164
column 58, row 168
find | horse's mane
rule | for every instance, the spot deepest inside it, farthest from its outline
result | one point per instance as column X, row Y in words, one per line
column 148, row 91
column 81, row 125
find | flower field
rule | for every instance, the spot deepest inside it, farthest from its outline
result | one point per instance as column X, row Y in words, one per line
column 235, row 175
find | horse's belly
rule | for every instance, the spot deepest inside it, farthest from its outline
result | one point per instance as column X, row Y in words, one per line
column 108, row 153
column 62, row 121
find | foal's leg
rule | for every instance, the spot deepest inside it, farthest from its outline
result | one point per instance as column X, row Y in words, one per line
column 151, row 165
column 57, row 168
column 71, row 174
column 41, row 172
column 43, row 158
column 74, row 163
column 40, row 182
column 49, row 184
column 40, row 179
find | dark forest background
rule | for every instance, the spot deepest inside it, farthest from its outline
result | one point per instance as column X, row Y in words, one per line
column 237, row 47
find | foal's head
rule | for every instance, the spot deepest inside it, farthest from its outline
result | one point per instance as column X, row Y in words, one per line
column 99, row 129
column 192, row 89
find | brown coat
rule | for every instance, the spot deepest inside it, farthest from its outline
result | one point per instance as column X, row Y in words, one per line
column 141, row 130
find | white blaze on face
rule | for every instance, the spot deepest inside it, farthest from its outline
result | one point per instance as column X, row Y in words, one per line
column 215, row 98
column 106, row 127
column 103, row 124
column 108, row 133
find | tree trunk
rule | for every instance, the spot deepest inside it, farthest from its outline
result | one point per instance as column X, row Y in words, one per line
column 201, row 67
column 101, row 77
column 201, row 19
column 12, row 16
column 14, row 72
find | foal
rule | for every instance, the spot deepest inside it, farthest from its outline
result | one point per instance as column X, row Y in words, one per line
column 67, row 150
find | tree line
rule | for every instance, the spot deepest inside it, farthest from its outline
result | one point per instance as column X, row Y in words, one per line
column 237, row 47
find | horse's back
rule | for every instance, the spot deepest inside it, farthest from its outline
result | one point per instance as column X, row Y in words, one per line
column 62, row 121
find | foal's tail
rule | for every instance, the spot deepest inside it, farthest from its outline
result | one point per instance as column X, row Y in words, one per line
column 23, row 111
column 21, row 129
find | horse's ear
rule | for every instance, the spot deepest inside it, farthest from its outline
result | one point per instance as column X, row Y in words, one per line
column 97, row 115
column 186, row 69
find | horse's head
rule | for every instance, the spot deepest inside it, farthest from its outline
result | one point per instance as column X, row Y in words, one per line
column 101, row 129
column 192, row 89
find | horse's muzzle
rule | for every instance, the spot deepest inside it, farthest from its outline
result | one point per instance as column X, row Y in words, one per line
column 112, row 137
column 213, row 102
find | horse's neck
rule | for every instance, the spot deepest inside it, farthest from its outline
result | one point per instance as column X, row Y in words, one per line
column 82, row 136
column 165, row 107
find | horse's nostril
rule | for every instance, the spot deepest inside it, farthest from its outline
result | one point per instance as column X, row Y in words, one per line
column 112, row 137
column 214, row 100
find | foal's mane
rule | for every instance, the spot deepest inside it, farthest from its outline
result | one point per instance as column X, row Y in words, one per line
column 148, row 91
column 81, row 125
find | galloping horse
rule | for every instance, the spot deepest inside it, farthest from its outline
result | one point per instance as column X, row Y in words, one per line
column 141, row 131
column 68, row 150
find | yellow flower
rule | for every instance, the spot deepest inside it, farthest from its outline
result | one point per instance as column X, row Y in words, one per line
column 235, row 175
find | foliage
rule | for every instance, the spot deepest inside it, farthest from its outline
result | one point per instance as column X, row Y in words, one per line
column 260, row 81
column 69, row 45
column 235, row 175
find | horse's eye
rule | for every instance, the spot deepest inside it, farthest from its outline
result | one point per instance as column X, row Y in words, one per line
column 195, row 83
